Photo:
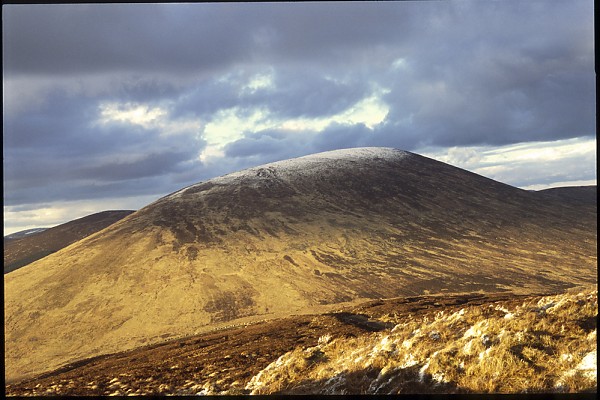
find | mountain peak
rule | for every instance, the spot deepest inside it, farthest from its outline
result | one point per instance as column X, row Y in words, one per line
column 291, row 237
column 330, row 158
column 305, row 166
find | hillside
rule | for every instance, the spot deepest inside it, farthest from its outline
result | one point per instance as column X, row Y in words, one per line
column 466, row 343
column 22, row 234
column 539, row 344
column 31, row 245
column 293, row 237
column 573, row 195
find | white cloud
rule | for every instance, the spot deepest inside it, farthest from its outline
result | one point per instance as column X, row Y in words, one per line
column 370, row 111
column 230, row 125
column 258, row 82
column 542, row 151
column 148, row 117
column 56, row 213
column 133, row 114
column 533, row 165
column 400, row 63
column 561, row 184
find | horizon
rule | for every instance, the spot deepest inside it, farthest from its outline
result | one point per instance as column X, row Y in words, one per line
column 575, row 184
column 112, row 106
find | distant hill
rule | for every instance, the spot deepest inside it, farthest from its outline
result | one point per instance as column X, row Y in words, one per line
column 24, row 233
column 25, row 247
column 299, row 236
column 575, row 195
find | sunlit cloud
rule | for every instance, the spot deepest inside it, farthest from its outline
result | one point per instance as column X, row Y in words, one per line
column 258, row 82
column 369, row 111
column 588, row 182
column 228, row 126
column 148, row 117
column 51, row 214
column 542, row 151
column 522, row 164
column 142, row 115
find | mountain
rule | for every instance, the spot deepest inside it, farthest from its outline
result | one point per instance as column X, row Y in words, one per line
column 293, row 237
column 22, row 234
column 25, row 247
column 574, row 195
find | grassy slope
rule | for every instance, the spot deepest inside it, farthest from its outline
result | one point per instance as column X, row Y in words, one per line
column 215, row 255
column 442, row 343
column 545, row 344
column 24, row 250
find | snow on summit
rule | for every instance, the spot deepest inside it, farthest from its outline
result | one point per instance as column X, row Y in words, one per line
column 349, row 154
column 318, row 161
column 312, row 164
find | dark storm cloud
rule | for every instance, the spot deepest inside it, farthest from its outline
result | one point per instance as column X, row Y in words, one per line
column 275, row 145
column 271, row 145
column 497, row 73
column 451, row 74
column 186, row 37
column 206, row 98
column 139, row 89
column 148, row 165
column 477, row 72
column 290, row 93
column 307, row 94
column 63, row 150
column 339, row 136
column 68, row 39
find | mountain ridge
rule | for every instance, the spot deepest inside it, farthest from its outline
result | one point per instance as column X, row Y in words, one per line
column 23, row 233
column 373, row 224
column 38, row 243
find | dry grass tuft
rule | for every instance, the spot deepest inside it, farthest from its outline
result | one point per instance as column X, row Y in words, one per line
column 544, row 344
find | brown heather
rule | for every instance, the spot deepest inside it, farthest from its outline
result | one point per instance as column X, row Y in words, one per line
column 297, row 237
column 547, row 344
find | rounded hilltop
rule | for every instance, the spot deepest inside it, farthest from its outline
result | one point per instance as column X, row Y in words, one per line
column 308, row 165
column 291, row 237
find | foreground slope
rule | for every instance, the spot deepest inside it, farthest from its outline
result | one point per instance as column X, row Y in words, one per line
column 291, row 237
column 442, row 343
column 542, row 344
column 20, row 250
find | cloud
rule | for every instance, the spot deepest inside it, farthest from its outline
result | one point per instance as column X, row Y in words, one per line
column 454, row 73
column 68, row 148
column 268, row 146
column 19, row 218
column 534, row 165
column 97, row 38
column 298, row 94
column 109, row 100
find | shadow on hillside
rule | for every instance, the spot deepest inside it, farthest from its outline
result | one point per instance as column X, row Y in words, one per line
column 361, row 321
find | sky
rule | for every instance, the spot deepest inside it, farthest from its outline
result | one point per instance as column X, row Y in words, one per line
column 112, row 106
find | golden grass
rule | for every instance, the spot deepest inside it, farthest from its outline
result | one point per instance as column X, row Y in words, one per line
column 544, row 344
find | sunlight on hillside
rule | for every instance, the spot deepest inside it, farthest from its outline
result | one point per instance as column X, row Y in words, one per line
column 542, row 345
